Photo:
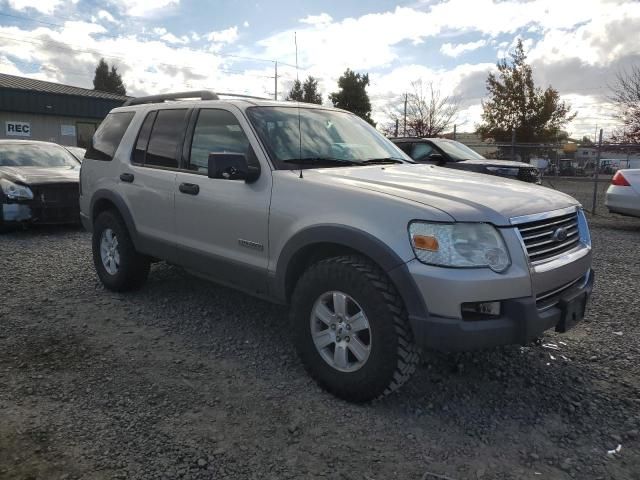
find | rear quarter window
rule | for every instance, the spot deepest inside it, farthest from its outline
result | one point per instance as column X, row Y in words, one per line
column 108, row 136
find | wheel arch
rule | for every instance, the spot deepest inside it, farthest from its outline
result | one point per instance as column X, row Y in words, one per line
column 324, row 241
column 103, row 200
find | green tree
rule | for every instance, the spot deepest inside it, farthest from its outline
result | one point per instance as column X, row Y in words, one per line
column 516, row 103
column 352, row 95
column 108, row 80
column 310, row 92
column 296, row 94
column 305, row 92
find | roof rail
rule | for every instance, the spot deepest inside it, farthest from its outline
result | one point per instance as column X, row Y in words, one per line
column 201, row 94
column 237, row 95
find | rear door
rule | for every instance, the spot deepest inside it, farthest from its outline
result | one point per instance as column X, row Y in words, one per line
column 150, row 182
column 222, row 225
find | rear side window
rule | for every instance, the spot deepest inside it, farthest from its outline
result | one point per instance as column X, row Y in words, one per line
column 143, row 139
column 108, row 136
column 421, row 151
column 166, row 136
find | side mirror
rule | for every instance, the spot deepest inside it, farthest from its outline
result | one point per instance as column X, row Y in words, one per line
column 438, row 158
column 232, row 166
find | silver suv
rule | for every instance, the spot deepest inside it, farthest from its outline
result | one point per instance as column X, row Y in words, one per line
column 310, row 206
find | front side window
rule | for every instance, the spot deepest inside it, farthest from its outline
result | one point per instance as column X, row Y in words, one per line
column 421, row 151
column 108, row 136
column 165, row 138
column 216, row 131
column 293, row 134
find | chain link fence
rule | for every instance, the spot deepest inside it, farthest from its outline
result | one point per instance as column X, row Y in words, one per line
column 569, row 168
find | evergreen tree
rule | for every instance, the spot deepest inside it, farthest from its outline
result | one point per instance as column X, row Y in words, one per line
column 516, row 103
column 352, row 95
column 296, row 94
column 106, row 80
column 310, row 92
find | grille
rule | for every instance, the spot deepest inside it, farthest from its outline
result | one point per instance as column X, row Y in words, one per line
column 55, row 203
column 542, row 239
column 528, row 175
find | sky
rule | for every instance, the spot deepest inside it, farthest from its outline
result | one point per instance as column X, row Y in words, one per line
column 576, row 46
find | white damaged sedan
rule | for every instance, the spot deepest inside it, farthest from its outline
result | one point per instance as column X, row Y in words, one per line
column 623, row 195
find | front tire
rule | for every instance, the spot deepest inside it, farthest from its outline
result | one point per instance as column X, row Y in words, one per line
column 351, row 330
column 119, row 266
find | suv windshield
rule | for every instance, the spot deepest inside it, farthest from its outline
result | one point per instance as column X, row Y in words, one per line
column 35, row 155
column 456, row 150
column 315, row 137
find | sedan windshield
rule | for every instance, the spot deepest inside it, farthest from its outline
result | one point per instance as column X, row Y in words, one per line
column 314, row 137
column 456, row 150
column 35, row 155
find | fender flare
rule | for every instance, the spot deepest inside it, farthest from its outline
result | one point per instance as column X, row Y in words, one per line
column 122, row 209
column 360, row 241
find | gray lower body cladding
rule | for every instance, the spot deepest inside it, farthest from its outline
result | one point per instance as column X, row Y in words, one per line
column 521, row 321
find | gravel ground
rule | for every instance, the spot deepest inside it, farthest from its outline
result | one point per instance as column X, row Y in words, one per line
column 185, row 379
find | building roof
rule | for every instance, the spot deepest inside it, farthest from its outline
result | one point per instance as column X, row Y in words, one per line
column 23, row 83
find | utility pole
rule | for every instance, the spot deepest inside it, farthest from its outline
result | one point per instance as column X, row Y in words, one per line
column 595, row 177
column 454, row 132
column 513, row 143
column 405, row 115
column 275, row 94
column 396, row 131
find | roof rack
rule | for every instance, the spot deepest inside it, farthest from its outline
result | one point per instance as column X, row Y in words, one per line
column 201, row 94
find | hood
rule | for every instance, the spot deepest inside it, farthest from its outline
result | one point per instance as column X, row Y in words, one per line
column 465, row 196
column 497, row 163
column 40, row 175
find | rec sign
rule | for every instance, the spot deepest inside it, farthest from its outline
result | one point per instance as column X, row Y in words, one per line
column 18, row 129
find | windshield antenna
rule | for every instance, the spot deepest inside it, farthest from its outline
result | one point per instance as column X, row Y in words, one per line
column 295, row 39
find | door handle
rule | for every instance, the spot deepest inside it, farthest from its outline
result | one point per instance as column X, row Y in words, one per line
column 127, row 177
column 189, row 188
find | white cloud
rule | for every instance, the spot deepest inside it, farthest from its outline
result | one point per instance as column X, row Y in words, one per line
column 228, row 35
column 144, row 8
column 43, row 6
column 171, row 38
column 245, row 24
column 104, row 15
column 317, row 19
column 455, row 50
column 160, row 31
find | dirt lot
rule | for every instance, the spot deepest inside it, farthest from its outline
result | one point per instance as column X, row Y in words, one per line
column 189, row 380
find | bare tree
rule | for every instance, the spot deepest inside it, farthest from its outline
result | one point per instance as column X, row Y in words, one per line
column 625, row 93
column 429, row 112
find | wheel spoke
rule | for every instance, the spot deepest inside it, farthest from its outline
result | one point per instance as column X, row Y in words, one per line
column 109, row 236
column 358, row 322
column 323, row 338
column 340, row 303
column 115, row 242
column 340, row 356
column 358, row 349
column 323, row 314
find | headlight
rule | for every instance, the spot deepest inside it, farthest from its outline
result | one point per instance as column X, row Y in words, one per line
column 13, row 191
column 459, row 245
column 583, row 228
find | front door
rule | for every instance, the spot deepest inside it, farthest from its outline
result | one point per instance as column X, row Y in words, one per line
column 222, row 225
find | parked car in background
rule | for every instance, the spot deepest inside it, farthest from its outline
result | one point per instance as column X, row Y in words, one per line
column 77, row 152
column 623, row 195
column 39, row 183
column 310, row 206
column 451, row 154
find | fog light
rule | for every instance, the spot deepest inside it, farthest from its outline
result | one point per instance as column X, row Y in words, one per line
column 480, row 310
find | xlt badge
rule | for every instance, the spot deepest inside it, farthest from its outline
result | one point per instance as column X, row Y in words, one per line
column 251, row 245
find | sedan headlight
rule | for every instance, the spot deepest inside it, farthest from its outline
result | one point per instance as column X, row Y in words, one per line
column 459, row 245
column 14, row 191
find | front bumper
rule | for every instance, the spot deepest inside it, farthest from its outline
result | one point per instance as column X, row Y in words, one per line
column 521, row 321
column 52, row 204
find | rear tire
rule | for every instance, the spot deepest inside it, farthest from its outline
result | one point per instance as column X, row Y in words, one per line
column 372, row 328
column 119, row 266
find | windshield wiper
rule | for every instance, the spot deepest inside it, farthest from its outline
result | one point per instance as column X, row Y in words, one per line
column 319, row 161
column 382, row 161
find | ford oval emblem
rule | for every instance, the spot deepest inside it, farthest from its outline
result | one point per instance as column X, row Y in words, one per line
column 560, row 235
